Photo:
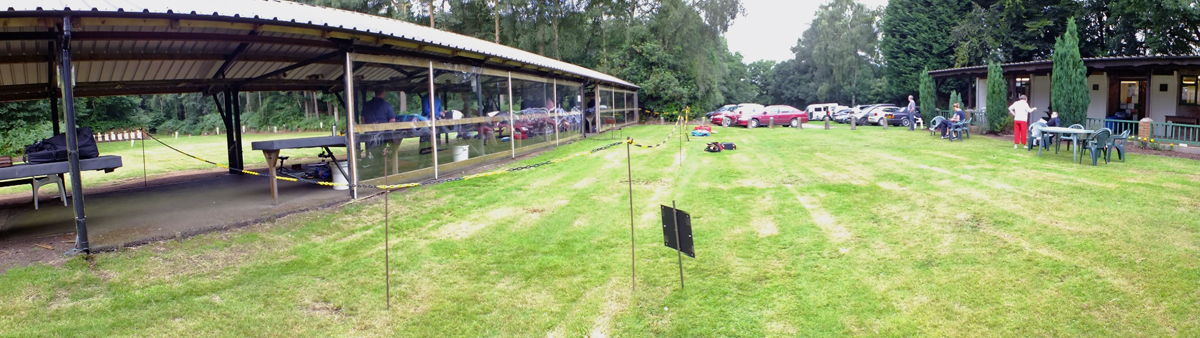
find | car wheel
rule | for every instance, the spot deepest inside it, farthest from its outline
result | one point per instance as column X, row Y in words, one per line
column 753, row 124
column 795, row 123
column 725, row 122
column 904, row 122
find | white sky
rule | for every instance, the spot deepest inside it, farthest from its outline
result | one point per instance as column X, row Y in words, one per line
column 771, row 27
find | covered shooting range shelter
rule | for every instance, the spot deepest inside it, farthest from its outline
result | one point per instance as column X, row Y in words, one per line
column 58, row 50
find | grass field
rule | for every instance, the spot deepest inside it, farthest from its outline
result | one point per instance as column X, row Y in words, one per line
column 798, row 233
column 160, row 160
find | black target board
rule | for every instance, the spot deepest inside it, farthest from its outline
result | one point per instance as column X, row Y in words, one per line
column 684, row 233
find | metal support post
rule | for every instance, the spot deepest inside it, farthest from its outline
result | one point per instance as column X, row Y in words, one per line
column 351, row 141
column 433, row 121
column 68, row 94
column 237, row 131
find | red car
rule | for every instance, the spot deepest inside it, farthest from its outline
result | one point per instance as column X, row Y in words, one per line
column 734, row 117
column 780, row 114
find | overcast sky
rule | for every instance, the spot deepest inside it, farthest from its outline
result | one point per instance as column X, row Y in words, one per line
column 771, row 27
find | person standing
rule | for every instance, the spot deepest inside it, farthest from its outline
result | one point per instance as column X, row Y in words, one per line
column 378, row 110
column 912, row 113
column 1020, row 111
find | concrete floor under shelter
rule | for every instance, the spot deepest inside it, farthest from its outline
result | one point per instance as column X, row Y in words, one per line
column 138, row 215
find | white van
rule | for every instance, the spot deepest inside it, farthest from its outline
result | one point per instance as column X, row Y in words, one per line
column 817, row 112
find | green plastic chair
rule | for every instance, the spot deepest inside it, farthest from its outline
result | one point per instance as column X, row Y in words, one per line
column 1097, row 146
column 934, row 123
column 962, row 128
column 1117, row 143
column 1068, row 138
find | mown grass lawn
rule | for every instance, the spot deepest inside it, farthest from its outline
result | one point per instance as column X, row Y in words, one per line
column 160, row 160
column 798, row 233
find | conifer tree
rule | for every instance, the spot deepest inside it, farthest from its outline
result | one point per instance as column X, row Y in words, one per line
column 928, row 95
column 997, row 99
column 1068, row 82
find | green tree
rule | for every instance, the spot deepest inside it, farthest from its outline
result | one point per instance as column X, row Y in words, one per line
column 954, row 98
column 761, row 73
column 997, row 99
column 916, row 36
column 847, row 44
column 928, row 95
column 1068, row 81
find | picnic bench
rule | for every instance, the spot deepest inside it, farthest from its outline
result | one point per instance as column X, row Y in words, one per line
column 51, row 173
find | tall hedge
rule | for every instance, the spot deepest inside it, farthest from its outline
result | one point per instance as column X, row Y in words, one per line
column 928, row 96
column 997, row 99
column 1068, row 82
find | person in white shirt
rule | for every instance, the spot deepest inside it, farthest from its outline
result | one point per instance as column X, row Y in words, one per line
column 1020, row 111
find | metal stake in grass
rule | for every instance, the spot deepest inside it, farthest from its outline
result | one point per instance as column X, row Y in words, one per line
column 387, row 267
column 675, row 217
column 632, row 238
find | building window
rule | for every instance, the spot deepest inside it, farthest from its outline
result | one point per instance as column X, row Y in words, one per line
column 1187, row 90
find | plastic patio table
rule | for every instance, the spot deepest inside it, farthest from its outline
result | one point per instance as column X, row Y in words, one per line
column 1075, row 143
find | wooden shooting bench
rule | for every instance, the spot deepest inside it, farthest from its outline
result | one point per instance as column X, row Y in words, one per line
column 51, row 173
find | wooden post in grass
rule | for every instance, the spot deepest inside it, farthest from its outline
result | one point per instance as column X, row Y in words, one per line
column 853, row 123
column 826, row 122
column 632, row 238
column 772, row 125
column 884, row 122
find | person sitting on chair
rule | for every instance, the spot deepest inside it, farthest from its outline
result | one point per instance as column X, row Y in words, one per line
column 945, row 125
column 1053, row 122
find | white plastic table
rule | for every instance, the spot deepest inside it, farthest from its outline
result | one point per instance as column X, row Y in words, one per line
column 1080, row 132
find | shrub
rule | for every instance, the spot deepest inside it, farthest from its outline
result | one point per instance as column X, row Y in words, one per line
column 997, row 99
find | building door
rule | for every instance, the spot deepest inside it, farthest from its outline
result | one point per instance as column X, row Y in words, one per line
column 1126, row 98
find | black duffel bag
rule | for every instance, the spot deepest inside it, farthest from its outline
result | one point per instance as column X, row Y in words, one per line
column 54, row 149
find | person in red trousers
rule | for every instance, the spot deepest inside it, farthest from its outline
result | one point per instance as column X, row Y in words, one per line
column 1020, row 111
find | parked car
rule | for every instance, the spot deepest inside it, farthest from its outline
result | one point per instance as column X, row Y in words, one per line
column 725, row 108
column 820, row 111
column 780, row 113
column 842, row 116
column 877, row 112
column 899, row 117
column 731, row 117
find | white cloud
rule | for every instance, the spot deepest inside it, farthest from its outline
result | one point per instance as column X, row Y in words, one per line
column 771, row 27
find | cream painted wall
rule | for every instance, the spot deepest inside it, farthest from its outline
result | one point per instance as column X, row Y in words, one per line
column 1163, row 104
column 1096, row 109
column 980, row 93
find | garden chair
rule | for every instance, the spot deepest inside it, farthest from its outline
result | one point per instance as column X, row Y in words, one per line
column 1041, row 141
column 1069, row 138
column 1096, row 145
column 962, row 128
column 934, row 123
column 1117, row 143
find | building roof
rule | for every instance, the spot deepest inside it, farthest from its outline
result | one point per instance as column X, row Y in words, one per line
column 1116, row 63
column 170, row 46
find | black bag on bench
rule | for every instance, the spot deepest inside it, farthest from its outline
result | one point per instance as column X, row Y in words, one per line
column 54, row 149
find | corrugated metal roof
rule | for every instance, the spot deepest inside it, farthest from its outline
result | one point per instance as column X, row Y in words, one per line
column 282, row 12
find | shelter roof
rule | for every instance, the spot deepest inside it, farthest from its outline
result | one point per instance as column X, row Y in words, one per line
column 1102, row 64
column 172, row 46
